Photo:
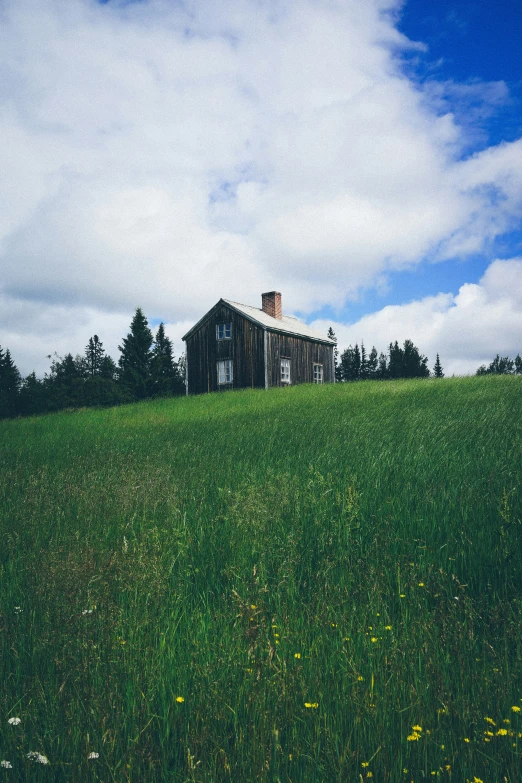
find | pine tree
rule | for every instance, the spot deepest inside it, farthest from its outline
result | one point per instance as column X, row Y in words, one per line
column 363, row 369
column 337, row 369
column 165, row 374
column 10, row 381
column 351, row 364
column 94, row 352
column 372, row 364
column 501, row 365
column 135, row 359
column 518, row 364
column 437, row 370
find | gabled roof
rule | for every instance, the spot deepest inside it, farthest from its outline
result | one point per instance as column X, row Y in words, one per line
column 286, row 325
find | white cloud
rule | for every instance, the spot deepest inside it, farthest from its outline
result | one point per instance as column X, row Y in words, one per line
column 164, row 155
column 467, row 329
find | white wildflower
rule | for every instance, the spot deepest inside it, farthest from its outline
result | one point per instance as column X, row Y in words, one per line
column 93, row 755
column 18, row 609
column 39, row 758
column 6, row 765
column 14, row 721
column 87, row 611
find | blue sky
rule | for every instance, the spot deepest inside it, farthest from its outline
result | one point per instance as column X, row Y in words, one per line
column 469, row 43
column 364, row 158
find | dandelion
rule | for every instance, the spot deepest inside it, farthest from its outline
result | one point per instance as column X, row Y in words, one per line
column 515, row 708
column 413, row 737
column 6, row 765
column 417, row 728
column 253, row 606
column 39, row 758
column 477, row 780
column 180, row 699
column 276, row 635
column 466, row 739
column 374, row 639
column 490, row 720
column 506, row 720
column 360, row 679
column 365, row 764
column 311, row 705
column 14, row 721
column 369, row 774
column 421, row 584
column 502, row 732
column 93, row 755
column 387, row 627
column 402, row 595
column 297, row 655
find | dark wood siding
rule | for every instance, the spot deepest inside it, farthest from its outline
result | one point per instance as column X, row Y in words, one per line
column 245, row 348
column 303, row 354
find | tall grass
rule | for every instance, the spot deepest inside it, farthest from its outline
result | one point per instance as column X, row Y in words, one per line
column 260, row 586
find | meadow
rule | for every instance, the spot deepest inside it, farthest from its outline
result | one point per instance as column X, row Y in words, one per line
column 302, row 585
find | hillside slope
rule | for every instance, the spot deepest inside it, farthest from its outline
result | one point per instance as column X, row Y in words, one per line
column 306, row 584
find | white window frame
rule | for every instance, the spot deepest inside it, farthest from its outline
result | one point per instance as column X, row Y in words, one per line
column 318, row 372
column 285, row 370
column 225, row 372
column 224, row 331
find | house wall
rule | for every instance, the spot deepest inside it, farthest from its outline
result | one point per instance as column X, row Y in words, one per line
column 245, row 348
column 302, row 353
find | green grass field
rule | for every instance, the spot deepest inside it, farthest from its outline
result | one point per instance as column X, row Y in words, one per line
column 308, row 584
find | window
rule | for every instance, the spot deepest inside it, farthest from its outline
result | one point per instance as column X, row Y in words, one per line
column 285, row 370
column 318, row 373
column 224, row 331
column 225, row 372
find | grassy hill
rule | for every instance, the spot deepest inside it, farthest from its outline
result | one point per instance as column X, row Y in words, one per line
column 306, row 584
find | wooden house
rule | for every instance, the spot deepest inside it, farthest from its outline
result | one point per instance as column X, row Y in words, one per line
column 236, row 346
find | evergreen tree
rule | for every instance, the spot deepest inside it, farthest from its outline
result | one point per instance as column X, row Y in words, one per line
column 33, row 397
column 501, row 365
column 437, row 370
column 372, row 365
column 337, row 369
column 10, row 381
column 94, row 353
column 135, row 359
column 351, row 364
column 382, row 367
column 518, row 364
column 166, row 379
column 363, row 369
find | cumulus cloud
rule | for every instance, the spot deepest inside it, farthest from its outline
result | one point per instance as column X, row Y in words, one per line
column 466, row 329
column 165, row 154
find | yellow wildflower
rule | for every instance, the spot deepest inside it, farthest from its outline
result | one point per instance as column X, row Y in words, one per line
column 421, row 584
column 402, row 595
column 413, row 737
column 374, row 639
column 180, row 699
column 311, row 705
column 365, row 764
column 253, row 606
column 359, row 678
column 369, row 774
column 490, row 720
column 297, row 655
column 466, row 739
column 516, row 708
column 387, row 627
column 501, row 732
column 506, row 720
column 417, row 728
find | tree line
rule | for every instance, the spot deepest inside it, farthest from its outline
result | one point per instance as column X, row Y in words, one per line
column 146, row 368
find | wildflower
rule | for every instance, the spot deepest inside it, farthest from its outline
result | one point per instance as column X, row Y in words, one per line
column 93, row 755
column 39, row 758
column 360, row 679
column 387, row 627
column 297, row 655
column 369, row 774
column 489, row 734
column 413, row 737
column 402, row 595
column 274, row 626
column 311, row 705
column 87, row 611
column 14, row 721
column 180, row 699
column 6, row 765
column 253, row 606
column 490, row 720
column 334, row 625
column 18, row 609
column 506, row 720
column 421, row 584
column 515, row 708
column 374, row 639
column 477, row 780
column 417, row 728
column 466, row 739
column 502, row 732
column 365, row 764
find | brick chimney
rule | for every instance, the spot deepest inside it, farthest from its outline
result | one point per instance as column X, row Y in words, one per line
column 271, row 304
